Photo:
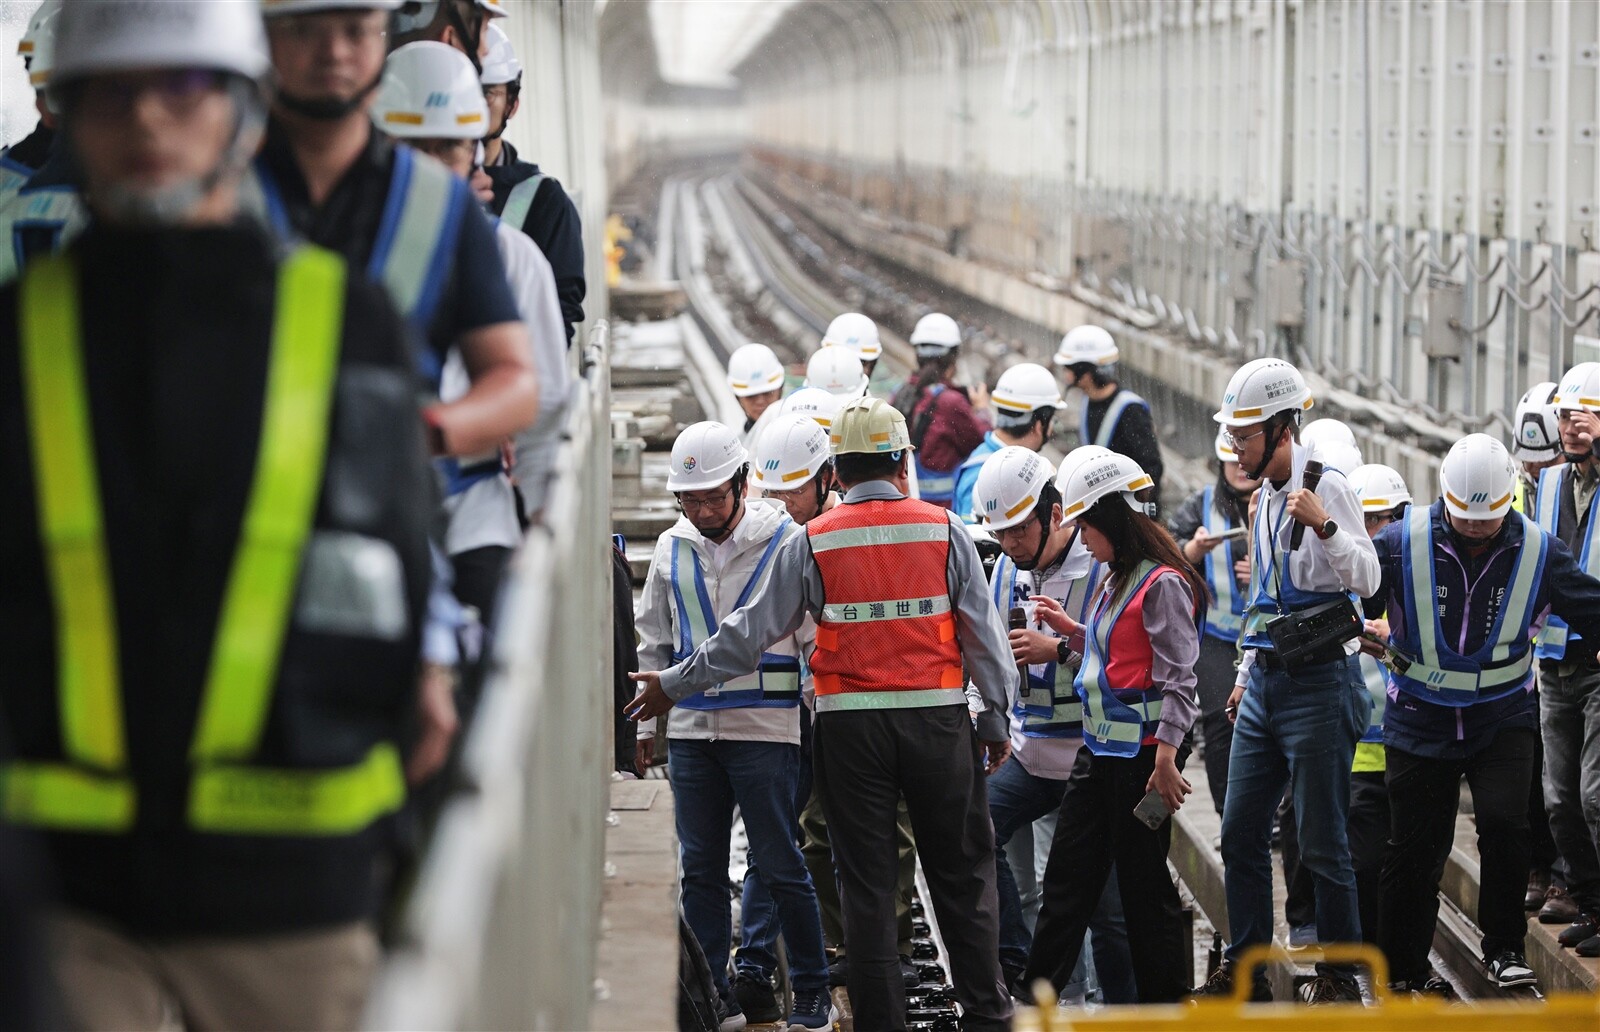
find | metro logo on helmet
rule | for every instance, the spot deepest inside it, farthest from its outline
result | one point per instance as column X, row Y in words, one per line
column 688, row 464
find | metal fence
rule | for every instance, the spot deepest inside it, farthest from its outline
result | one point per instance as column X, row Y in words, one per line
column 500, row 929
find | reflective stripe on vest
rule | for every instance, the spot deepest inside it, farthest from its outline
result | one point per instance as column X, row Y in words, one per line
column 520, row 201
column 1438, row 673
column 1052, row 709
column 776, row 682
column 1264, row 606
column 935, row 486
column 13, row 174
column 91, row 790
column 1117, row 718
column 1108, row 424
column 876, row 557
column 1225, row 614
column 1554, row 637
column 1376, row 679
column 54, row 210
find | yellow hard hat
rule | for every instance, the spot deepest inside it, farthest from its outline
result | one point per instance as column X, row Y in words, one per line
column 869, row 426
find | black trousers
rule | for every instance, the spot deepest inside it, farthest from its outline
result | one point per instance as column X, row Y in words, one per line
column 478, row 572
column 1423, row 796
column 1214, row 674
column 1545, row 853
column 1097, row 827
column 863, row 762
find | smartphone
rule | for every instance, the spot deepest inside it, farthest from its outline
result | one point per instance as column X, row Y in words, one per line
column 1235, row 534
column 1152, row 810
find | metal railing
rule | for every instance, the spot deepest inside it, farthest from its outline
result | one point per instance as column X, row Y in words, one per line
column 500, row 929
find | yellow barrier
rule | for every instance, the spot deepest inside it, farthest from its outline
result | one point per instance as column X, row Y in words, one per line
column 1402, row 1012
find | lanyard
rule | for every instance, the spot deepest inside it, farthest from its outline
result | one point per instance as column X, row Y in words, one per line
column 1271, row 552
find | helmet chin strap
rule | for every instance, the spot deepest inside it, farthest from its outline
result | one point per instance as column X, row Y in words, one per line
column 1267, row 453
column 733, row 517
column 1044, row 539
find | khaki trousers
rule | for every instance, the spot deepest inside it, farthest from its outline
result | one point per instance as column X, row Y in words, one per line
column 302, row 980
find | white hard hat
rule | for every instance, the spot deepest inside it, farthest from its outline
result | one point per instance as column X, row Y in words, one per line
column 936, row 332
column 1379, row 487
column 854, row 331
column 1338, row 455
column 282, row 8
column 1009, row 487
column 791, row 452
column 838, row 371
column 816, row 404
column 1094, row 479
column 754, row 369
column 501, row 66
column 496, row 8
column 430, row 91
column 1326, row 431
column 1024, row 389
column 1071, row 460
column 38, row 43
column 1580, row 388
column 95, row 38
column 1260, row 390
column 1536, row 436
column 705, row 455
column 1477, row 478
column 1087, row 344
column 1224, row 447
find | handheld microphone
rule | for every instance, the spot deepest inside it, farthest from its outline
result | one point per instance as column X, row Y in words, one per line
column 1308, row 480
column 1018, row 621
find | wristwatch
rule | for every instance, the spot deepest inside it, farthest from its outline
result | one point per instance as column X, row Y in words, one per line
column 1063, row 651
column 1328, row 530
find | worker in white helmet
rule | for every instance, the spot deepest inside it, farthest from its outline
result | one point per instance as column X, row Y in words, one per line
column 1110, row 415
column 1464, row 583
column 487, row 514
column 1536, row 441
column 858, row 333
column 214, row 586
column 946, row 421
column 1041, row 554
column 22, row 159
column 1025, row 402
column 1298, row 678
column 1136, row 688
column 838, row 371
column 736, row 741
column 903, row 623
column 1211, row 528
column 1565, row 506
column 755, row 376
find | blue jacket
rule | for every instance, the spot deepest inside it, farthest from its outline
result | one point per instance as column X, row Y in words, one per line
column 1471, row 589
column 967, row 475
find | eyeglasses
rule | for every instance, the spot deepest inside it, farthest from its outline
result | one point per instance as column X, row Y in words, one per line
column 1235, row 440
column 700, row 503
column 178, row 92
column 1379, row 519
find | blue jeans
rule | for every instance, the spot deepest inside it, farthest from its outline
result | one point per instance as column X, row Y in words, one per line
column 758, row 914
column 1298, row 729
column 708, row 780
column 1016, row 800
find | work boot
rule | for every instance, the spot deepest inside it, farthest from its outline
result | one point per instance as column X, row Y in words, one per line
column 756, row 999
column 1509, row 970
column 1221, row 984
column 1589, row 947
column 1586, row 926
column 1559, row 908
column 1538, row 889
column 1327, row 989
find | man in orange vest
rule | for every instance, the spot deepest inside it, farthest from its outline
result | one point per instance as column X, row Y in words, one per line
column 903, row 623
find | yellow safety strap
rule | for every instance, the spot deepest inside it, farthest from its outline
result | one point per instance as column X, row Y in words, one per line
column 70, row 517
column 307, row 328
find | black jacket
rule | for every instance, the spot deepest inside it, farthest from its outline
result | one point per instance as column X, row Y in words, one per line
column 554, row 225
column 176, row 331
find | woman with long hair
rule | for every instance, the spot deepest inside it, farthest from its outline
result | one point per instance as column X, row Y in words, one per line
column 943, row 418
column 1137, row 687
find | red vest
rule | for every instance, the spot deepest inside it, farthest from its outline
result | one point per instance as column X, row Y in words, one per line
column 886, row 637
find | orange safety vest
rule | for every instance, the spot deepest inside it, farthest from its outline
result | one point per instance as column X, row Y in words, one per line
column 886, row 638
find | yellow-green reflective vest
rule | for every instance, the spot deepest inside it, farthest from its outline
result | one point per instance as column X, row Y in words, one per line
column 91, row 789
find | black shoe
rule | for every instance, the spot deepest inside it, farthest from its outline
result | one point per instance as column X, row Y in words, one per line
column 756, row 999
column 839, row 971
column 1221, row 984
column 1509, row 970
column 1559, row 908
column 1434, row 986
column 909, row 973
column 924, row 949
column 1587, row 926
column 1538, row 887
column 1327, row 989
column 1589, row 947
